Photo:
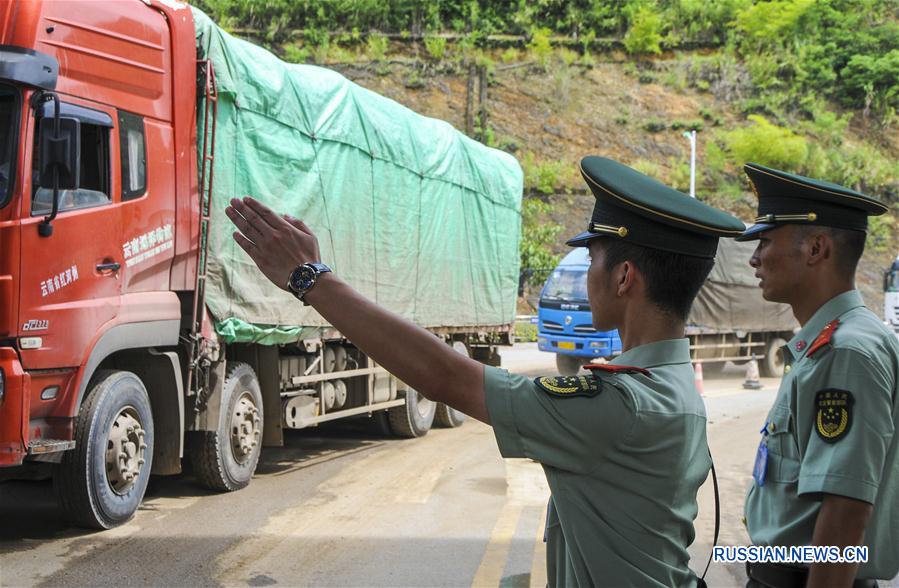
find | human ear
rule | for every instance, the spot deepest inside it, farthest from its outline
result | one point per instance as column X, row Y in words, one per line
column 625, row 276
column 819, row 247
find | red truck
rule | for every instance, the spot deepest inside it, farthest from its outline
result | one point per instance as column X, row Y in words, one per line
column 110, row 365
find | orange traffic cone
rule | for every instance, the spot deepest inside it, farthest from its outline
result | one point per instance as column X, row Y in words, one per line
column 752, row 382
column 697, row 378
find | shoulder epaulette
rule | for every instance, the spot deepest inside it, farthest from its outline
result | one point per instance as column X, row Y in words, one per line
column 617, row 369
column 823, row 337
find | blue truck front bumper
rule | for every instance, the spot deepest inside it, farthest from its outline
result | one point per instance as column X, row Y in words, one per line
column 577, row 346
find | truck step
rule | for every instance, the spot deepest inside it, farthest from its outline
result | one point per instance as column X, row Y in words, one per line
column 48, row 449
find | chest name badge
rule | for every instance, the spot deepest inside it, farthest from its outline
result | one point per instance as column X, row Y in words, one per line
column 833, row 414
column 568, row 386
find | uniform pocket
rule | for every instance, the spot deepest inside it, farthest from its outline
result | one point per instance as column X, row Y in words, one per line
column 783, row 451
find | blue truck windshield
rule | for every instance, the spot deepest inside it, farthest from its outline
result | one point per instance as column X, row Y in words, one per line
column 569, row 285
column 892, row 281
column 9, row 131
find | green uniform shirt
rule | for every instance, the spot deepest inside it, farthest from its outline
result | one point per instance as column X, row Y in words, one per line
column 623, row 466
column 821, row 439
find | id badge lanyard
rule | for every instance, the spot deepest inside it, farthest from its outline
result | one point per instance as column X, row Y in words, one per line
column 761, row 458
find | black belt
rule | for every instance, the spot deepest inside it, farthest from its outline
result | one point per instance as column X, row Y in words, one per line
column 784, row 576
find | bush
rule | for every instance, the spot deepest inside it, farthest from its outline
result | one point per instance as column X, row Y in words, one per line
column 436, row 47
column 540, row 48
column 510, row 55
column 537, row 235
column 644, row 34
column 295, row 53
column 377, row 47
column 767, row 144
column 545, row 177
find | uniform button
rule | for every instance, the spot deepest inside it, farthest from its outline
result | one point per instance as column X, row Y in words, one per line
column 773, row 427
column 787, row 369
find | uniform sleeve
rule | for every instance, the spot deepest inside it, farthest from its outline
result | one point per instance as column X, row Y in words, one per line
column 573, row 434
column 846, row 435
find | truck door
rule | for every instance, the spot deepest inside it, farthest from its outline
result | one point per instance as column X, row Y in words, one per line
column 70, row 284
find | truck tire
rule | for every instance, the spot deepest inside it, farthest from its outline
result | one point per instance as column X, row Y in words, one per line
column 414, row 418
column 225, row 459
column 568, row 365
column 447, row 416
column 101, row 482
column 772, row 365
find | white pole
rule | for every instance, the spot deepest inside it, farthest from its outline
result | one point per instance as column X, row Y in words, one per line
column 692, row 137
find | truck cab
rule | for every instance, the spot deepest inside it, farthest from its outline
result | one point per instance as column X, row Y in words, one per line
column 565, row 323
column 891, row 296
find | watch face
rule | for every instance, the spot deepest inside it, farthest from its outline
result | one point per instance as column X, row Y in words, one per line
column 302, row 278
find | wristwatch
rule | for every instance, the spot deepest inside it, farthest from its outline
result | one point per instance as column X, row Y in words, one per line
column 303, row 278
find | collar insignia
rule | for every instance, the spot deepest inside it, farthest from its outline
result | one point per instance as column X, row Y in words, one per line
column 833, row 414
column 823, row 337
column 568, row 386
column 800, row 345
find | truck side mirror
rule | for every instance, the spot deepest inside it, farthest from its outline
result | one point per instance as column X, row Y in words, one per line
column 60, row 153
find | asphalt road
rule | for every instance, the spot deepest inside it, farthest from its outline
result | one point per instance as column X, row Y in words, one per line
column 341, row 506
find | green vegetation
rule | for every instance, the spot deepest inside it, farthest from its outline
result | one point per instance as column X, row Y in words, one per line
column 538, row 235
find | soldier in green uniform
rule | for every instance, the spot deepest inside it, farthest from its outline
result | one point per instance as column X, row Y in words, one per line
column 624, row 450
column 827, row 467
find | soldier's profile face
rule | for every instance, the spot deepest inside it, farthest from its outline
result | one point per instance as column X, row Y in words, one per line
column 600, row 292
column 778, row 264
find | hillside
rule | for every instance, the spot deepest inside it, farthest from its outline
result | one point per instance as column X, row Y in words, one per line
column 550, row 119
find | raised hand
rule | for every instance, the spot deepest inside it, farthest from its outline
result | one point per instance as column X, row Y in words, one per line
column 277, row 244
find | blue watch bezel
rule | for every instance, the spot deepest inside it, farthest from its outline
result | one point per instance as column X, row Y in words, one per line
column 303, row 277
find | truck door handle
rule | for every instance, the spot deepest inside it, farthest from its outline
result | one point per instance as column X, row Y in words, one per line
column 112, row 266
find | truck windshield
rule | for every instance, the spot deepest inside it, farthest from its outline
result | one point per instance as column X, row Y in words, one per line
column 9, row 119
column 566, row 284
column 892, row 281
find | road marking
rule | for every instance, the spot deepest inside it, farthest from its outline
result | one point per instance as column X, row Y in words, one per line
column 538, row 565
column 490, row 572
column 525, row 486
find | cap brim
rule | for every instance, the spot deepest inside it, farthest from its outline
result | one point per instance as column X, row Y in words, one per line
column 753, row 232
column 582, row 239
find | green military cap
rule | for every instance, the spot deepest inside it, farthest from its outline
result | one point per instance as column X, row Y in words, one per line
column 786, row 198
column 638, row 209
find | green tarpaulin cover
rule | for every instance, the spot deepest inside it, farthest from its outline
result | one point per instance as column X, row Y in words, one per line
column 411, row 212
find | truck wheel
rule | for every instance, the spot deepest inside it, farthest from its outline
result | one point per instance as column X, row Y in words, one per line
column 413, row 419
column 447, row 416
column 101, row 482
column 772, row 365
column 568, row 365
column 225, row 459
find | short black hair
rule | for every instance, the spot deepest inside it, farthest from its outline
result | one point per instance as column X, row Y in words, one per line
column 672, row 279
column 848, row 245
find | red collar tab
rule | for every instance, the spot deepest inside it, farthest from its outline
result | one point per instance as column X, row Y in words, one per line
column 823, row 337
column 617, row 369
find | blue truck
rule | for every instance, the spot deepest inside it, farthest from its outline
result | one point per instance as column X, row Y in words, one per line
column 729, row 321
column 564, row 322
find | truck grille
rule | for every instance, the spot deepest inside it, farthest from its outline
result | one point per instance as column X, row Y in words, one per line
column 551, row 326
column 584, row 329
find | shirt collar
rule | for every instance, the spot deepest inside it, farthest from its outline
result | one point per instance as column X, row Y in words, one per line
column 657, row 353
column 833, row 308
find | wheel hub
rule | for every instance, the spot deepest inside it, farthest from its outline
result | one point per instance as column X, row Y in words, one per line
column 125, row 450
column 245, row 429
column 424, row 405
